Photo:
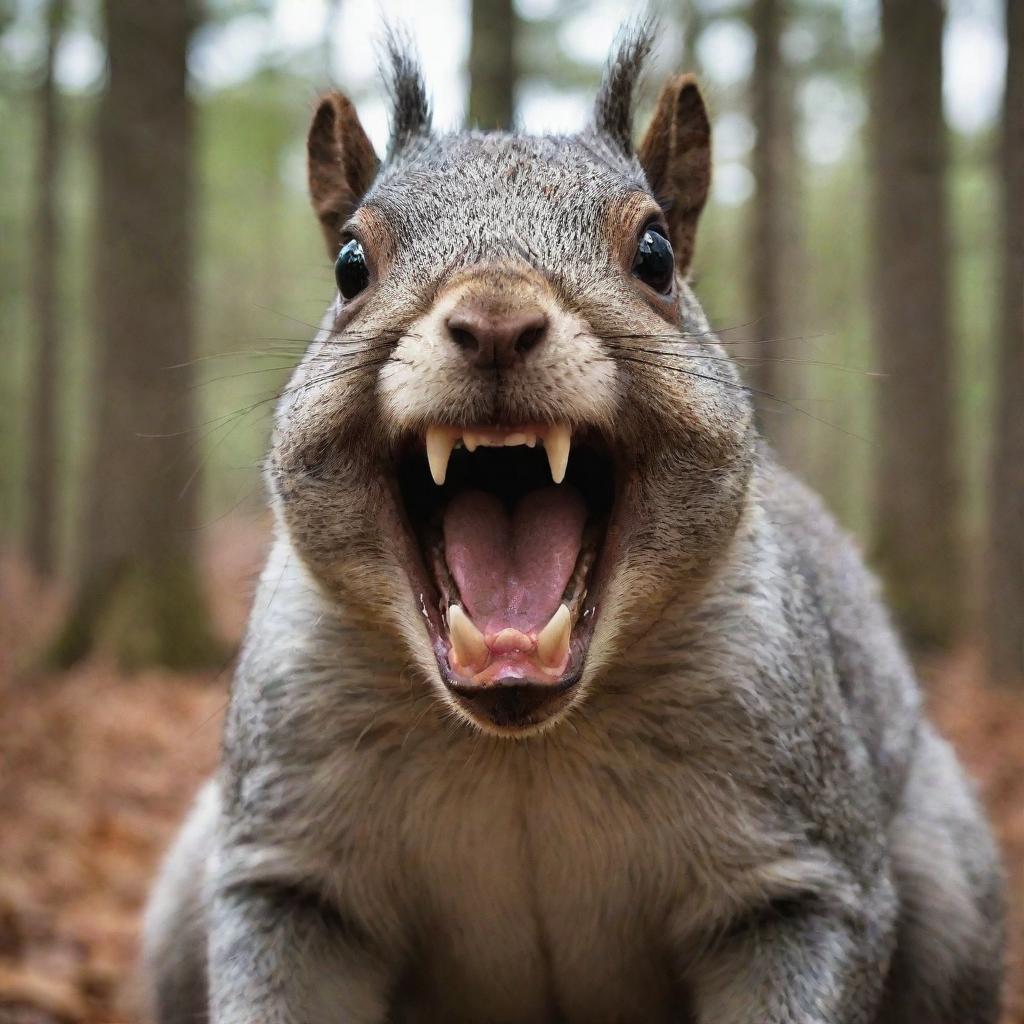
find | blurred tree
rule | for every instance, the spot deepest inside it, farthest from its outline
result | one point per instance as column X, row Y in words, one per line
column 775, row 282
column 332, row 26
column 694, row 20
column 42, row 465
column 492, row 64
column 1005, row 612
column 917, row 495
column 139, row 592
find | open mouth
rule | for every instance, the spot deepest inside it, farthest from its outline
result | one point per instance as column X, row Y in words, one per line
column 510, row 525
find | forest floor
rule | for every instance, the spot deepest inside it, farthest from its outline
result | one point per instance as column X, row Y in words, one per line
column 96, row 770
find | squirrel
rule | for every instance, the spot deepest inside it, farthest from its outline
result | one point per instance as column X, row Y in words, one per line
column 560, row 699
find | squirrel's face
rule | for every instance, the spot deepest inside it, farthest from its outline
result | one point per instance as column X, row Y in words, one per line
column 514, row 442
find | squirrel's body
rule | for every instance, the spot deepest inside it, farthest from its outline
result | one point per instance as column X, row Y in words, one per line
column 742, row 818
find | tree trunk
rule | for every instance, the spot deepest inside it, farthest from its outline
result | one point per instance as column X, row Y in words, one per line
column 492, row 64
column 42, row 469
column 1005, row 612
column 139, row 594
column 774, row 275
column 332, row 27
column 917, row 506
column 693, row 25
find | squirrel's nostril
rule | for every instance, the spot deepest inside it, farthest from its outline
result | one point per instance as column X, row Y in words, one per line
column 530, row 338
column 463, row 338
column 490, row 339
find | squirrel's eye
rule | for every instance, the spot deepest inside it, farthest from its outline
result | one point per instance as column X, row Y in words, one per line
column 351, row 271
column 654, row 263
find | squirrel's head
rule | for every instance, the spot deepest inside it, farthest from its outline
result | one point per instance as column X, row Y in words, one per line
column 514, row 442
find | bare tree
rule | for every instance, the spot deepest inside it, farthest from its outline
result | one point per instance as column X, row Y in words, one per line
column 492, row 64
column 42, row 467
column 1005, row 611
column 139, row 590
column 774, row 230
column 917, row 500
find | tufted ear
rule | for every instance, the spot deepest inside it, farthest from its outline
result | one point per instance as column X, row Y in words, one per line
column 342, row 165
column 676, row 157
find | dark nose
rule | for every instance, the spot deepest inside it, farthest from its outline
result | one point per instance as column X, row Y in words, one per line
column 489, row 337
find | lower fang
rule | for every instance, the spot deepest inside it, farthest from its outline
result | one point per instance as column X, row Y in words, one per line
column 468, row 644
column 553, row 639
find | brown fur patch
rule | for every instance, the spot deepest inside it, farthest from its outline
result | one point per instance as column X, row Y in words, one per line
column 341, row 165
column 676, row 157
column 624, row 222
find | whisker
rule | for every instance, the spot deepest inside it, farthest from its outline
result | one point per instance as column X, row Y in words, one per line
column 696, row 375
column 786, row 339
column 675, row 353
column 203, row 461
column 796, row 360
column 252, row 353
column 285, row 316
column 346, row 336
column 325, row 357
column 245, row 410
column 750, row 390
column 666, row 336
column 334, row 375
column 756, row 360
column 301, row 344
column 683, row 334
column 240, row 416
column 684, row 337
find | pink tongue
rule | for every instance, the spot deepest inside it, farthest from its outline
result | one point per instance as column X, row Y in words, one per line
column 512, row 570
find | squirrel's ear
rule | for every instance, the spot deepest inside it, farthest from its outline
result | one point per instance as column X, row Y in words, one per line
column 676, row 157
column 342, row 165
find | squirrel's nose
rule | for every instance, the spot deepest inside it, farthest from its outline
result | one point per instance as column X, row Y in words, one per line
column 491, row 338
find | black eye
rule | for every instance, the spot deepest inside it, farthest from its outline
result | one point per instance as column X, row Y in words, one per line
column 351, row 271
column 653, row 262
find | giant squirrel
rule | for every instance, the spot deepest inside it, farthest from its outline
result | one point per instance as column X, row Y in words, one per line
column 560, row 699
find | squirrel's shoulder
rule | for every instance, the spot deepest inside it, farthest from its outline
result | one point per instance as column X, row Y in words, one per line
column 875, row 676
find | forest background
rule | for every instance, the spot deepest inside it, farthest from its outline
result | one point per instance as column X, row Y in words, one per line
column 161, row 271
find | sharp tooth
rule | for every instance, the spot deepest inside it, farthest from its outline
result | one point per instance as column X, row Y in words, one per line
column 531, row 440
column 556, row 443
column 511, row 440
column 440, row 441
column 553, row 639
column 467, row 641
column 470, row 441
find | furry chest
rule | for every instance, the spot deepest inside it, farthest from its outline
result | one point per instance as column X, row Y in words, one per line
column 536, row 902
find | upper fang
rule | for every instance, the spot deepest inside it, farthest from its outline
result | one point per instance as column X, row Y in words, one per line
column 440, row 441
column 557, row 442
column 553, row 639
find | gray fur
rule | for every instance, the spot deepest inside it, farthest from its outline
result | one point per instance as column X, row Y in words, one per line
column 743, row 818
column 410, row 109
column 613, row 111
